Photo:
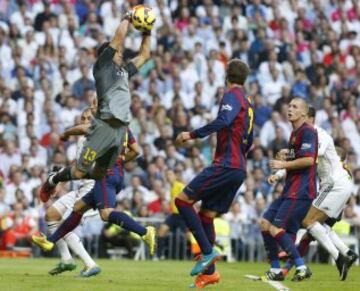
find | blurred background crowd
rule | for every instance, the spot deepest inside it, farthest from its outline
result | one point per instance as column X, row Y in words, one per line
column 303, row 48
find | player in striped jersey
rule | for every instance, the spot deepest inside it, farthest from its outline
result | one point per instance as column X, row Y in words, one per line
column 335, row 190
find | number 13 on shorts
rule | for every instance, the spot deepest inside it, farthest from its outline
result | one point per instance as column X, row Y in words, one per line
column 89, row 155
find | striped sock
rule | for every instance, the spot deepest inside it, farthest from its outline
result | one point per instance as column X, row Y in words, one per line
column 125, row 221
column 208, row 225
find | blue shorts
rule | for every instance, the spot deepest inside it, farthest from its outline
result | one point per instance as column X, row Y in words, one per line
column 103, row 195
column 216, row 187
column 287, row 213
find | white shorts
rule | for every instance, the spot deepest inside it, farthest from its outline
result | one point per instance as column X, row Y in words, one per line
column 332, row 199
column 65, row 204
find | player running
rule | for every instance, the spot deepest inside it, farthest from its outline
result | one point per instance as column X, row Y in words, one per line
column 216, row 185
column 105, row 137
column 103, row 198
column 60, row 209
column 335, row 190
column 283, row 218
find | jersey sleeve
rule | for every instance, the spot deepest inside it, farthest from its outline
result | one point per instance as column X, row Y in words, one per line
column 106, row 57
column 230, row 107
column 131, row 137
column 131, row 69
column 308, row 143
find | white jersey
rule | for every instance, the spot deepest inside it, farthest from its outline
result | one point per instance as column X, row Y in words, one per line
column 330, row 167
column 82, row 186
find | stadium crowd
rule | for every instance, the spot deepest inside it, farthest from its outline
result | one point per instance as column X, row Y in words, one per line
column 303, row 48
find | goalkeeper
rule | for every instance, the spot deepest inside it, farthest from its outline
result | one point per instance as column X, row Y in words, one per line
column 105, row 137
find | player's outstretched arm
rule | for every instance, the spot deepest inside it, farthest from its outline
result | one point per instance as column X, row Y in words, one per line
column 144, row 52
column 292, row 165
column 133, row 152
column 118, row 40
column 80, row 129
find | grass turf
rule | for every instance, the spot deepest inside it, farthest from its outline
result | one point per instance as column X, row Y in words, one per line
column 31, row 274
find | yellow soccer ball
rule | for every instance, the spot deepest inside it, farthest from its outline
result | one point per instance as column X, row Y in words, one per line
column 143, row 18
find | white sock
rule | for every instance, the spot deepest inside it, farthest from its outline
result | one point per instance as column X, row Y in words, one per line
column 276, row 270
column 77, row 247
column 319, row 232
column 340, row 245
column 61, row 244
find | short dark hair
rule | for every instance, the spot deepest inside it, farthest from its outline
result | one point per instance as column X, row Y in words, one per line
column 311, row 112
column 101, row 48
column 237, row 72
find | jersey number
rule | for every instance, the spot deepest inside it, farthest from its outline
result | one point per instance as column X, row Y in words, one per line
column 89, row 155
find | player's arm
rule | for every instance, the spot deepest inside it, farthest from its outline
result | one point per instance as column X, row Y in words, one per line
column 306, row 155
column 118, row 40
column 230, row 107
column 133, row 152
column 80, row 129
column 144, row 51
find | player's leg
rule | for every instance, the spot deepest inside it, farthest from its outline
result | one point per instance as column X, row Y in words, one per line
column 105, row 200
column 287, row 222
column 53, row 219
column 69, row 224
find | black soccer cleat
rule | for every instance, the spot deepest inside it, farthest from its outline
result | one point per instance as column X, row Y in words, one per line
column 343, row 264
column 274, row 276
column 301, row 274
column 352, row 257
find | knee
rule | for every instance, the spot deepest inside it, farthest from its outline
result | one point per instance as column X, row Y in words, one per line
column 275, row 230
column 52, row 215
column 79, row 207
column 307, row 222
column 264, row 225
column 105, row 213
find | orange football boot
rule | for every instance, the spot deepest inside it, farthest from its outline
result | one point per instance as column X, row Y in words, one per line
column 203, row 280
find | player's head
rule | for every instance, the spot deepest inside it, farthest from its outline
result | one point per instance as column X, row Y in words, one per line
column 341, row 152
column 102, row 48
column 86, row 116
column 311, row 115
column 298, row 109
column 237, row 72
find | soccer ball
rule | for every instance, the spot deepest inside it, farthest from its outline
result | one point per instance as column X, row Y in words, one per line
column 143, row 18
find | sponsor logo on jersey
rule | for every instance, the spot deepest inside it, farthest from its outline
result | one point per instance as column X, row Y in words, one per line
column 306, row 146
column 226, row 107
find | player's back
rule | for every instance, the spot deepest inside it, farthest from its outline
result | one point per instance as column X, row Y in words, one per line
column 330, row 167
column 301, row 183
column 234, row 141
column 112, row 88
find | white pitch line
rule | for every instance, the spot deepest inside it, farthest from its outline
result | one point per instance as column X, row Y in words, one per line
column 276, row 284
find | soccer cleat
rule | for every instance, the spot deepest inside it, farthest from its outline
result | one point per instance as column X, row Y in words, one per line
column 343, row 265
column 352, row 257
column 62, row 267
column 41, row 241
column 47, row 190
column 203, row 280
column 274, row 276
column 150, row 239
column 90, row 271
column 301, row 274
column 206, row 260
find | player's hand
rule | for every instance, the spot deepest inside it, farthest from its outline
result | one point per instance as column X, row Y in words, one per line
column 282, row 154
column 182, row 138
column 64, row 137
column 277, row 164
column 273, row 179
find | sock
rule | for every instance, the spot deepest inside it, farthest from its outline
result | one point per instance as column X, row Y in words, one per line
column 63, row 175
column 193, row 222
column 319, row 233
column 160, row 247
column 208, row 226
column 272, row 250
column 68, row 225
column 75, row 244
column 61, row 244
column 339, row 244
column 286, row 243
column 126, row 222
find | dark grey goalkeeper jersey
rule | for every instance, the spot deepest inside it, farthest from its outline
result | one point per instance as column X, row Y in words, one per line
column 112, row 87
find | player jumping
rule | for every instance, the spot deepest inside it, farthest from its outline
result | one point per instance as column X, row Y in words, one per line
column 217, row 184
column 105, row 137
column 335, row 191
column 284, row 216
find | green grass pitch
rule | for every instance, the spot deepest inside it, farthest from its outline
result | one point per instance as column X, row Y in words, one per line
column 31, row 274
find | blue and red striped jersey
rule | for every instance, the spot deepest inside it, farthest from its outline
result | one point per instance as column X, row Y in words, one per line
column 234, row 128
column 301, row 183
column 118, row 168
